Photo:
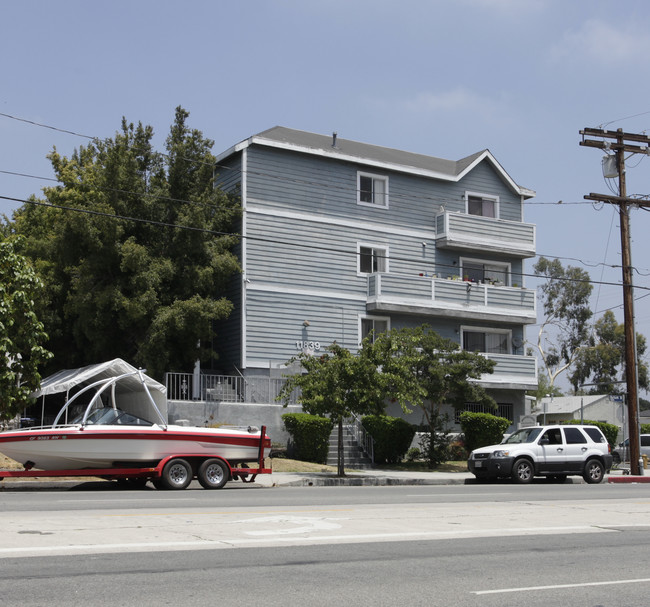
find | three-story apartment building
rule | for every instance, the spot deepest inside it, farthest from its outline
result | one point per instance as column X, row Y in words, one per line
column 340, row 238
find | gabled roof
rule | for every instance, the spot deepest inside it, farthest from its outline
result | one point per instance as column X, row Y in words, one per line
column 374, row 155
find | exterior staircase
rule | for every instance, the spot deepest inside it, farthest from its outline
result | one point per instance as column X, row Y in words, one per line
column 353, row 454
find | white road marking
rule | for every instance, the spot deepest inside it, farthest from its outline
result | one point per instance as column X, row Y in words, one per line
column 560, row 586
column 454, row 494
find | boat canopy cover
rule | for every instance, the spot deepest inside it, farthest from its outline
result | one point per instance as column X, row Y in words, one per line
column 129, row 392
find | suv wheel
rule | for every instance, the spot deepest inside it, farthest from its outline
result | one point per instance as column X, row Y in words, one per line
column 594, row 472
column 522, row 471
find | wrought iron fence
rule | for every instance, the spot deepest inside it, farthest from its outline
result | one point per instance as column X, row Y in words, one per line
column 225, row 388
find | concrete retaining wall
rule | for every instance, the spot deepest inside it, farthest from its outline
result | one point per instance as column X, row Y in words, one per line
column 202, row 413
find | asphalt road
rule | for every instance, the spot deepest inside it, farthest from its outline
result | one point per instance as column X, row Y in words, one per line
column 461, row 546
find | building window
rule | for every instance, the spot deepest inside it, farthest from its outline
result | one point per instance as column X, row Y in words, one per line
column 492, row 342
column 372, row 259
column 484, row 206
column 478, row 271
column 374, row 325
column 372, row 190
column 503, row 410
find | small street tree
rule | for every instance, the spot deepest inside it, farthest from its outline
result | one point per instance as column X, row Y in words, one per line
column 421, row 369
column 21, row 333
column 602, row 362
column 337, row 385
column 565, row 328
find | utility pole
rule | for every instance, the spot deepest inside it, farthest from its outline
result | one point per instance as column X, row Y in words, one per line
column 621, row 143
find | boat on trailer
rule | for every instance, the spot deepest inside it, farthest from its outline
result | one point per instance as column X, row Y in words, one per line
column 133, row 440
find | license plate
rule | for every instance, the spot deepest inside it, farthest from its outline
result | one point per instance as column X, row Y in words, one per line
column 478, row 464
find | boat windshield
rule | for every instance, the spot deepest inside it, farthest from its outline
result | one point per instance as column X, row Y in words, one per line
column 525, row 435
column 107, row 416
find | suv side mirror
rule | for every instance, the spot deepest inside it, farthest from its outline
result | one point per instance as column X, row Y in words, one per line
column 544, row 441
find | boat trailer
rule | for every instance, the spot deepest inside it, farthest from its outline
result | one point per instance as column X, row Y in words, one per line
column 172, row 472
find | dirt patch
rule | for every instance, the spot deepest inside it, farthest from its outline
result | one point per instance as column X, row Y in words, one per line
column 9, row 464
column 291, row 465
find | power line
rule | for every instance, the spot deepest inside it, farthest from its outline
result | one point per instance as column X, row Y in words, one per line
column 275, row 241
column 46, row 126
column 438, row 199
column 442, row 200
column 587, row 263
column 120, row 191
column 622, row 143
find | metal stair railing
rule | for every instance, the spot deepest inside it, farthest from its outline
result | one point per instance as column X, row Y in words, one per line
column 363, row 437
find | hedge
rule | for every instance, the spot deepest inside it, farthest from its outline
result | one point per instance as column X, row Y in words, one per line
column 393, row 437
column 482, row 429
column 310, row 435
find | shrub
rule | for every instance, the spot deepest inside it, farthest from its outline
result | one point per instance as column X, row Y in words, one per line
column 645, row 428
column 310, row 435
column 609, row 430
column 393, row 437
column 482, row 429
column 413, row 454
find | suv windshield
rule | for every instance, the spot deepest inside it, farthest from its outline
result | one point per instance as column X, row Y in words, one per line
column 525, row 435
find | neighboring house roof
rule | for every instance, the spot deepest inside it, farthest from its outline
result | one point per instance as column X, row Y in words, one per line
column 567, row 404
column 374, row 155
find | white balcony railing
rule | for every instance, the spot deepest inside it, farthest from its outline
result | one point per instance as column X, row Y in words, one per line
column 472, row 232
column 452, row 298
column 512, row 371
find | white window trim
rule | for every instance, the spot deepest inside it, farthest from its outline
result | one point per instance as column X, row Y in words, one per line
column 507, row 332
column 384, row 178
column 370, row 317
column 371, row 246
column 507, row 266
column 497, row 208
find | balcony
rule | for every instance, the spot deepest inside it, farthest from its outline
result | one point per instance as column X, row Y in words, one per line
column 463, row 232
column 511, row 372
column 450, row 298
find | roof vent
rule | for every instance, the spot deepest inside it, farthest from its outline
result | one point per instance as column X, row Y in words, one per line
column 334, row 139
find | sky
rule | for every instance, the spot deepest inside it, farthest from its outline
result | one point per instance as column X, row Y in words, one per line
column 437, row 77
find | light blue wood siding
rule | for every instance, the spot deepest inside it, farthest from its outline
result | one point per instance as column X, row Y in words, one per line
column 275, row 324
column 321, row 255
column 303, row 227
column 228, row 174
column 311, row 184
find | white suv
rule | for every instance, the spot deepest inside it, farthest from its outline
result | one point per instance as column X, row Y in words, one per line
column 551, row 451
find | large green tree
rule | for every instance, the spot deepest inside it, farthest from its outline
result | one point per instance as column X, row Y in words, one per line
column 421, row 369
column 565, row 329
column 336, row 384
column 22, row 336
column 134, row 249
column 602, row 362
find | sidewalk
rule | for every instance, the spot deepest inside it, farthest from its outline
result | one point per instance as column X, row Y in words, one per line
column 354, row 478
column 391, row 477
column 358, row 478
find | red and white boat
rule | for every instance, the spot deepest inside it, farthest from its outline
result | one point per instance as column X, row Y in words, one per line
column 129, row 434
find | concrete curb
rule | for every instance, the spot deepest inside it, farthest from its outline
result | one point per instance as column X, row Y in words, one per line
column 628, row 478
column 298, row 479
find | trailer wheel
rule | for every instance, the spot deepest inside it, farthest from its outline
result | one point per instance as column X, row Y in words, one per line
column 177, row 474
column 213, row 474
